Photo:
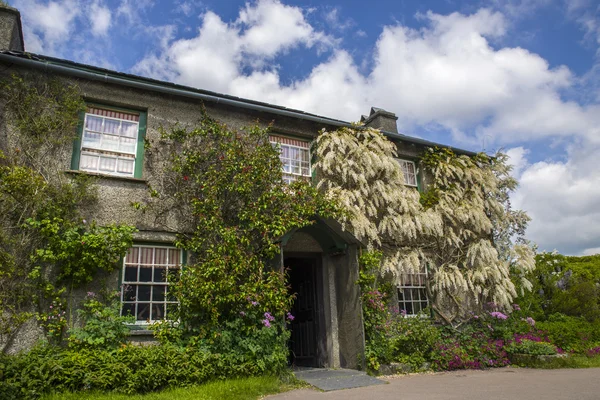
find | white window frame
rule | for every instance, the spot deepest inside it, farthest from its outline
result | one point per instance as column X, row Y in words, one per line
column 290, row 177
column 115, row 154
column 402, row 161
column 137, row 283
column 413, row 288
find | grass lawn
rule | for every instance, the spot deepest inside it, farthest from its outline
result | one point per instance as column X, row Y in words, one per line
column 233, row 389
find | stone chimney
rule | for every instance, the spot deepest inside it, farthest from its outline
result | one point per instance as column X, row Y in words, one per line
column 11, row 32
column 381, row 119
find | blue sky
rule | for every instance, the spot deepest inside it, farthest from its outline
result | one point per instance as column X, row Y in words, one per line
column 518, row 75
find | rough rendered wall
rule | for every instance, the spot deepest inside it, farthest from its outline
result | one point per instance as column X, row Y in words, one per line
column 350, row 324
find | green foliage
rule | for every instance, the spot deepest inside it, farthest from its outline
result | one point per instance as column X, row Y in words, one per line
column 532, row 348
column 133, row 369
column 46, row 246
column 572, row 334
column 564, row 284
column 390, row 336
column 79, row 250
column 226, row 187
column 103, row 327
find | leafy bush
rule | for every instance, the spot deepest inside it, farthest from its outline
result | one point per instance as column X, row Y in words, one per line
column 532, row 348
column 571, row 333
column 139, row 369
column 103, row 327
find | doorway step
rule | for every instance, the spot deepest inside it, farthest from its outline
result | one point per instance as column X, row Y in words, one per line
column 335, row 379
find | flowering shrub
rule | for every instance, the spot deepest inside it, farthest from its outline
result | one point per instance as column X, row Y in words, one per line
column 54, row 320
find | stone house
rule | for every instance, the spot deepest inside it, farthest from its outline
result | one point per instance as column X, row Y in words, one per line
column 123, row 110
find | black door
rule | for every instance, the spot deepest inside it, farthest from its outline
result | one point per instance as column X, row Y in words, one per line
column 304, row 327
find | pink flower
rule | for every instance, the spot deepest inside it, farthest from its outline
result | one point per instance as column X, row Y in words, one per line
column 269, row 317
column 290, row 317
column 530, row 321
column 499, row 315
column 266, row 323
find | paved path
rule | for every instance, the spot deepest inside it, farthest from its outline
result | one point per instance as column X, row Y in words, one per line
column 501, row 383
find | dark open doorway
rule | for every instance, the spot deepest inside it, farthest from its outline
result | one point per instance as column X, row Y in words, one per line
column 305, row 328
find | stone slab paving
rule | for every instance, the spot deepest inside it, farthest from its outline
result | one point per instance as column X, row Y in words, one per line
column 495, row 384
column 336, row 379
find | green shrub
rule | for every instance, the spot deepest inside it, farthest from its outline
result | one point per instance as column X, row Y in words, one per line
column 138, row 369
column 532, row 348
column 103, row 327
column 571, row 334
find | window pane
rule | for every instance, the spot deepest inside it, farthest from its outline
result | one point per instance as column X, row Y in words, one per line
column 147, row 255
column 143, row 293
column 143, row 312
column 92, row 139
column 131, row 274
column 160, row 274
column 129, row 129
column 158, row 312
column 129, row 293
column 174, row 256
column 127, row 145
column 145, row 273
column 128, row 309
column 107, row 164
column 93, row 123
column 160, row 256
column 111, row 126
column 89, row 162
column 132, row 255
column 158, row 293
column 110, row 143
column 125, row 166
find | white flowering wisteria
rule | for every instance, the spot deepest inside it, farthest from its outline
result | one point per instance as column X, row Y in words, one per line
column 461, row 227
column 358, row 167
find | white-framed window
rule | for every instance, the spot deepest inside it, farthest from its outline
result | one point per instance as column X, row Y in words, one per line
column 147, row 273
column 409, row 170
column 109, row 142
column 295, row 156
column 412, row 293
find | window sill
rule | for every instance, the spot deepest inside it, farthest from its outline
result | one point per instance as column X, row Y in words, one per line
column 103, row 176
column 140, row 332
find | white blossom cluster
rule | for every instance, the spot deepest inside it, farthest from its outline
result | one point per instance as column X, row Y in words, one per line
column 464, row 237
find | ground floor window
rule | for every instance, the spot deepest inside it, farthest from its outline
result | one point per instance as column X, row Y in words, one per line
column 147, row 273
column 412, row 293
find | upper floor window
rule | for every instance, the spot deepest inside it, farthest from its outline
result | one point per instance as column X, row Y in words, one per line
column 409, row 171
column 295, row 156
column 111, row 142
column 148, row 271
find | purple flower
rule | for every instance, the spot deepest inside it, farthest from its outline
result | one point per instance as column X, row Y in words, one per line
column 254, row 303
column 91, row 294
column 290, row 317
column 243, row 314
column 266, row 323
column 530, row 321
column 269, row 317
column 516, row 307
column 499, row 315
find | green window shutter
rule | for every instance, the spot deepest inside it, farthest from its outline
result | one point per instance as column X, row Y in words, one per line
column 77, row 143
column 139, row 156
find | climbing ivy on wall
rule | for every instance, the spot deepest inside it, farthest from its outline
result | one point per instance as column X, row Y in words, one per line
column 225, row 187
column 48, row 246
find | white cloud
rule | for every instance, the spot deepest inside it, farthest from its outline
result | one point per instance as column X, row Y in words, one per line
column 216, row 56
column 517, row 157
column 47, row 25
column 562, row 199
column 100, row 18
